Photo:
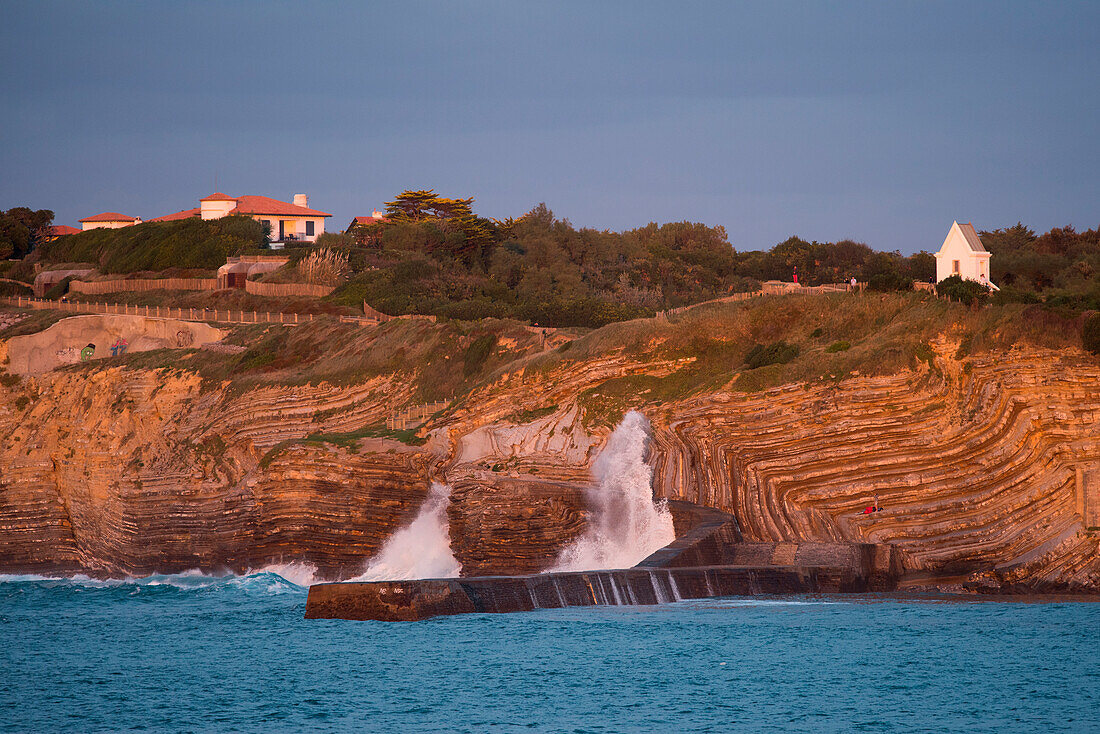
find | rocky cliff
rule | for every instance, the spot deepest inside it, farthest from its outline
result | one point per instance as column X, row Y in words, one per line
column 986, row 466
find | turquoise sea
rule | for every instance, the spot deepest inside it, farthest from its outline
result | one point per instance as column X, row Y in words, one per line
column 196, row 653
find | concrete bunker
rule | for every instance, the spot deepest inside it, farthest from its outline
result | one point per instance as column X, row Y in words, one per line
column 81, row 338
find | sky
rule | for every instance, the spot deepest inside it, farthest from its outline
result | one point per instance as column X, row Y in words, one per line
column 876, row 121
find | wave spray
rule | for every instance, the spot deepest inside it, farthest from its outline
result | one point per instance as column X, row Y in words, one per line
column 420, row 550
column 626, row 525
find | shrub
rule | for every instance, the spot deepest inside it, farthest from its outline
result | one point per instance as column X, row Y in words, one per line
column 477, row 353
column 889, row 280
column 58, row 289
column 838, row 347
column 323, row 267
column 817, row 332
column 762, row 355
column 967, row 292
column 186, row 243
column 1090, row 334
column 14, row 289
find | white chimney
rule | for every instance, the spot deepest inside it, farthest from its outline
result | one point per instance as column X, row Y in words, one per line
column 377, row 214
column 301, row 200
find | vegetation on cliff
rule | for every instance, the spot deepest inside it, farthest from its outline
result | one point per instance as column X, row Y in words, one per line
column 1061, row 266
column 742, row 346
column 186, row 243
column 433, row 255
column 22, row 229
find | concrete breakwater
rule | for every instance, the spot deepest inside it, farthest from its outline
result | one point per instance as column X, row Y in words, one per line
column 708, row 559
column 413, row 600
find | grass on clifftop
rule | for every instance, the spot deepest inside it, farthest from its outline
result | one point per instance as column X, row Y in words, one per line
column 820, row 338
column 796, row 338
column 438, row 360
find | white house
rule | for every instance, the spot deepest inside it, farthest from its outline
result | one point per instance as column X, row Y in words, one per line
column 290, row 221
column 108, row 220
column 962, row 254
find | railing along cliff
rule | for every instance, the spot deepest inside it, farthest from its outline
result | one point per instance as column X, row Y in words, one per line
column 771, row 288
column 415, row 416
column 219, row 315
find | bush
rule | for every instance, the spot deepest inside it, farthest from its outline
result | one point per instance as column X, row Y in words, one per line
column 1090, row 334
column 14, row 289
column 762, row 355
column 838, row 347
column 58, row 289
column 186, row 243
column 967, row 292
column 889, row 281
column 477, row 353
column 1015, row 295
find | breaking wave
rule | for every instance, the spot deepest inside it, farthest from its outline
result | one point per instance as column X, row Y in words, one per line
column 626, row 524
column 420, row 550
column 292, row 578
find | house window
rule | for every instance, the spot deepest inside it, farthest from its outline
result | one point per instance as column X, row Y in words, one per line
column 955, row 267
column 309, row 229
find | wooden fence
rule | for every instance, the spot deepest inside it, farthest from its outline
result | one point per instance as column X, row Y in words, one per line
column 137, row 285
column 771, row 288
column 376, row 315
column 415, row 416
column 218, row 315
column 285, row 290
column 255, row 287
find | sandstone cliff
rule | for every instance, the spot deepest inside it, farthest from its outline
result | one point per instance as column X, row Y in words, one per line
column 986, row 466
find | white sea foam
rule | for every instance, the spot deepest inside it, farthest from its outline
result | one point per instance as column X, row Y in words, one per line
column 626, row 524
column 420, row 550
column 276, row 578
column 299, row 573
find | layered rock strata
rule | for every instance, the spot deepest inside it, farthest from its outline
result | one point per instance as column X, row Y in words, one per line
column 986, row 469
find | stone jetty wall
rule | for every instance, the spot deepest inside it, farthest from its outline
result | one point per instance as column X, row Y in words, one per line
column 399, row 601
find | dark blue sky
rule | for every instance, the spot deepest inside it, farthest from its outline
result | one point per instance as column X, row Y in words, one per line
column 878, row 121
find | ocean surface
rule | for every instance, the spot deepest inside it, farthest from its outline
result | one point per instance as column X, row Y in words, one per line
column 197, row 653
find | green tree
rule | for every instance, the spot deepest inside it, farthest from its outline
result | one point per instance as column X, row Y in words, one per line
column 22, row 229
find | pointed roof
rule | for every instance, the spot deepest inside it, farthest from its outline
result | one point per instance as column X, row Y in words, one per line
column 60, row 230
column 971, row 237
column 218, row 197
column 109, row 217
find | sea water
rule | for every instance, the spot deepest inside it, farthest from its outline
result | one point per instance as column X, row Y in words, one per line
column 195, row 653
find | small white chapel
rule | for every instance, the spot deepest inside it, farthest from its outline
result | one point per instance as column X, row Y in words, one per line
column 962, row 254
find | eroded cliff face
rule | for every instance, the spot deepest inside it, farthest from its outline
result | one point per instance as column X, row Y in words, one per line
column 987, row 469
column 990, row 473
column 128, row 472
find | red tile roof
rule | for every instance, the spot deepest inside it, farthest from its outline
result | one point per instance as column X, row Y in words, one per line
column 218, row 197
column 267, row 205
column 363, row 220
column 59, row 230
column 185, row 214
column 109, row 217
